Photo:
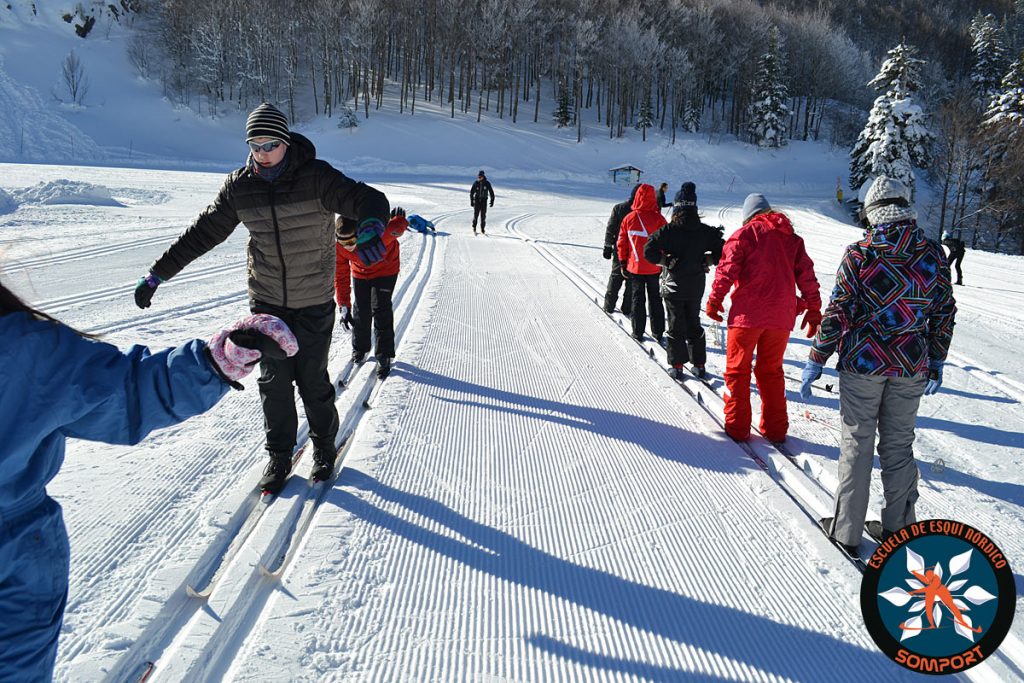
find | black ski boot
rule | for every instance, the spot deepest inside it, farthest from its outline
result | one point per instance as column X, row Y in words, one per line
column 383, row 367
column 826, row 525
column 700, row 371
column 276, row 473
column 358, row 357
column 323, row 464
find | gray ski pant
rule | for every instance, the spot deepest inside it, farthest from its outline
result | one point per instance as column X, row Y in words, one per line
column 888, row 405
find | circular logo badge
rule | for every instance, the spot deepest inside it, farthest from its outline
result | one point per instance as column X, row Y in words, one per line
column 938, row 597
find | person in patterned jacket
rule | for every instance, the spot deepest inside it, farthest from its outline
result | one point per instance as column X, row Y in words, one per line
column 891, row 318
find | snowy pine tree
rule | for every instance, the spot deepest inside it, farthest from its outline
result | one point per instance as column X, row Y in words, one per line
column 1007, row 106
column 645, row 118
column 691, row 117
column 768, row 112
column 989, row 54
column 563, row 109
column 896, row 137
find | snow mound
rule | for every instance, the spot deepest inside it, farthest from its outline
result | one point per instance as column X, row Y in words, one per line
column 7, row 203
column 67, row 192
column 30, row 129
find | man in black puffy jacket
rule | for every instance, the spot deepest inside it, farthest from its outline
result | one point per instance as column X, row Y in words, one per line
column 611, row 236
column 286, row 198
column 685, row 248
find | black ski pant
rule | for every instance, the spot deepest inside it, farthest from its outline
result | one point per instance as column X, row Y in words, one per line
column 371, row 299
column 686, row 342
column 615, row 282
column 480, row 211
column 307, row 369
column 956, row 258
column 647, row 287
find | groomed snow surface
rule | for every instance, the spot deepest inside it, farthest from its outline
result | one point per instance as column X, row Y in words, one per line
column 530, row 498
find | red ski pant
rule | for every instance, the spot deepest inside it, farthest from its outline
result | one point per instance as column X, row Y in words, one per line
column 769, row 346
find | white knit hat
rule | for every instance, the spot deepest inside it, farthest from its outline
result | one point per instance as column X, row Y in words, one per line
column 888, row 201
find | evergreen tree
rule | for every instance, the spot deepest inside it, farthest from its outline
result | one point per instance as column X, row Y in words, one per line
column 691, row 117
column 1003, row 132
column 989, row 53
column 1007, row 106
column 768, row 112
column 896, row 137
column 645, row 119
column 563, row 109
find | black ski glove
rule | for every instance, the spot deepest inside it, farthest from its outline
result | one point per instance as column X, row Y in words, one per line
column 345, row 317
column 607, row 253
column 145, row 288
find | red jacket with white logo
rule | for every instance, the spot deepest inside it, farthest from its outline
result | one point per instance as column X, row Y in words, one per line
column 348, row 265
column 636, row 227
column 766, row 261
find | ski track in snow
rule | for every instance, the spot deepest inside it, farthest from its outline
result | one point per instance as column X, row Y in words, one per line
column 517, row 410
column 447, row 556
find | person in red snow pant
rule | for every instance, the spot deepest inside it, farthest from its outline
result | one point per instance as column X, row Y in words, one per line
column 371, row 287
column 767, row 262
column 769, row 345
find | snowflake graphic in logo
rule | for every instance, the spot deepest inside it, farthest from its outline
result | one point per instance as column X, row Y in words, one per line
column 935, row 600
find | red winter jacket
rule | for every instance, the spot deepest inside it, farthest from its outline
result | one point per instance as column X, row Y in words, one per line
column 766, row 261
column 636, row 227
column 348, row 265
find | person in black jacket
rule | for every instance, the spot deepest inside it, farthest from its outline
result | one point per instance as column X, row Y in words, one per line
column 957, row 249
column 662, row 201
column 478, row 200
column 685, row 248
column 287, row 199
column 615, row 280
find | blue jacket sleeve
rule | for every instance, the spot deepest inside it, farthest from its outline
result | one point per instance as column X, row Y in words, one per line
column 120, row 397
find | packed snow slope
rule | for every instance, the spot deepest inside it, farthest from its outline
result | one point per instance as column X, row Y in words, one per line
column 531, row 498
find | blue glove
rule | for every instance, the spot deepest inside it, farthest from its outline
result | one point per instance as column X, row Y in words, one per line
column 934, row 377
column 812, row 371
column 369, row 246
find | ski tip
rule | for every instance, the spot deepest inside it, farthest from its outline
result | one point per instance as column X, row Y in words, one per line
column 367, row 404
column 269, row 573
column 193, row 593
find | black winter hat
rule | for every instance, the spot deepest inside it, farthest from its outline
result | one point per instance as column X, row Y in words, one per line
column 267, row 121
column 687, row 195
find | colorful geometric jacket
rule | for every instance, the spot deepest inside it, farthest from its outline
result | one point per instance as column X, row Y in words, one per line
column 892, row 308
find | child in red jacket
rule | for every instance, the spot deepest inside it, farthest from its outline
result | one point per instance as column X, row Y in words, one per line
column 644, row 277
column 373, row 286
column 767, row 262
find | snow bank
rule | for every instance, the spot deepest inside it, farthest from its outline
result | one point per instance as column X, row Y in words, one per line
column 67, row 192
column 32, row 130
column 7, row 203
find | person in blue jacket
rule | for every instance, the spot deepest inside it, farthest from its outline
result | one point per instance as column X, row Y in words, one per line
column 59, row 383
column 421, row 224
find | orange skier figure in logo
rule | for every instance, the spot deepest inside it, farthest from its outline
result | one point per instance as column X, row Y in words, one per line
column 934, row 588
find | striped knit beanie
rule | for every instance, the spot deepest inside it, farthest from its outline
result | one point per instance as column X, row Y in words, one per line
column 267, row 121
